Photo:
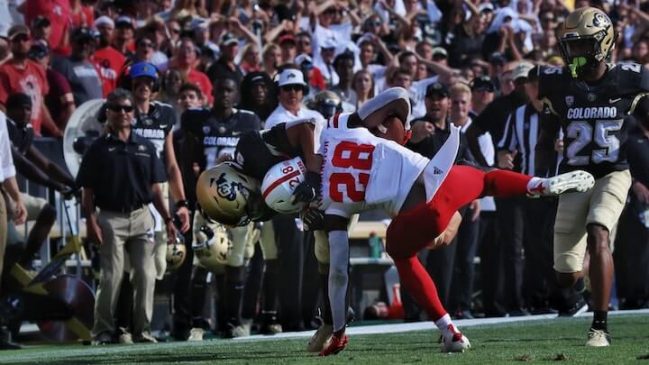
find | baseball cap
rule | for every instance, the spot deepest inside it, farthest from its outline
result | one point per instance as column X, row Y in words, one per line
column 439, row 51
column 497, row 58
column 82, row 34
column 485, row 7
column 41, row 21
column 291, row 76
column 39, row 50
column 482, row 83
column 302, row 58
column 124, row 21
column 328, row 43
column 104, row 20
column 17, row 30
column 143, row 69
column 228, row 39
column 521, row 70
column 18, row 99
column 286, row 38
column 436, row 89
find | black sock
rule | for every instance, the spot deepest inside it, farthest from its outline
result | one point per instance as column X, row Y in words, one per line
column 326, row 305
column 600, row 320
column 580, row 286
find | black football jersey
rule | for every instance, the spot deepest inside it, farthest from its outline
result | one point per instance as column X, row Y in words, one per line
column 218, row 137
column 156, row 125
column 594, row 118
column 21, row 137
column 257, row 152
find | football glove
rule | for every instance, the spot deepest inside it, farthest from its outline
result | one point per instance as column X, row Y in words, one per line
column 309, row 189
column 313, row 219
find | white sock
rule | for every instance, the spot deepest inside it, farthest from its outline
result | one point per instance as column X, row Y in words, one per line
column 533, row 184
column 443, row 323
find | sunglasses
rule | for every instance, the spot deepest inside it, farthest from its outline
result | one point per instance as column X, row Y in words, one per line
column 119, row 108
column 294, row 87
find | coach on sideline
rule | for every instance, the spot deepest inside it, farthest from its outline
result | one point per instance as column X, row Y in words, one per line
column 120, row 174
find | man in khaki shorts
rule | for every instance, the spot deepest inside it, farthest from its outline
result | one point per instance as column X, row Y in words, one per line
column 120, row 174
column 589, row 101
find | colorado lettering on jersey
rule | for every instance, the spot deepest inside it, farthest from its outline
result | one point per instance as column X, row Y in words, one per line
column 150, row 133
column 592, row 113
column 213, row 141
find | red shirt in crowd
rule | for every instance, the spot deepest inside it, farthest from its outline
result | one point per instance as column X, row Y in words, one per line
column 203, row 82
column 58, row 12
column 30, row 80
column 110, row 63
column 84, row 17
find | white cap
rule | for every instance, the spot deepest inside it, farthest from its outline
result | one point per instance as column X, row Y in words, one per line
column 382, row 99
column 485, row 7
column 104, row 20
column 301, row 58
column 290, row 76
column 521, row 70
column 328, row 43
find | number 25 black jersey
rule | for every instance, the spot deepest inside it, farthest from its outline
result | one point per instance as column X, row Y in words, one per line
column 593, row 117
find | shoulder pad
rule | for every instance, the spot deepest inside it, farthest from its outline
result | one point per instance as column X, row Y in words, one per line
column 630, row 78
column 551, row 79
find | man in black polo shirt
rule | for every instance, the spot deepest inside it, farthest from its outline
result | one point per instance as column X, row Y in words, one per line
column 120, row 174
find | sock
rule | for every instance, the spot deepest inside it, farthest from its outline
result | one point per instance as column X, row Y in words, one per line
column 580, row 286
column 533, row 185
column 600, row 320
column 415, row 279
column 234, row 293
column 338, row 277
column 503, row 183
column 443, row 324
column 326, row 304
column 270, row 285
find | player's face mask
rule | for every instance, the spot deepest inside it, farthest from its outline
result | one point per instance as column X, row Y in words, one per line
column 581, row 55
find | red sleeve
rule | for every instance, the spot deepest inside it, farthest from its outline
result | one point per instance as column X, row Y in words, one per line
column 4, row 86
column 45, row 86
column 207, row 88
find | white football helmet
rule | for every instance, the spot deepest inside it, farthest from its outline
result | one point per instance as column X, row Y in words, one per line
column 280, row 182
column 212, row 247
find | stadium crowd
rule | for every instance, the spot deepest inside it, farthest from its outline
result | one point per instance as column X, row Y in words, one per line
column 191, row 76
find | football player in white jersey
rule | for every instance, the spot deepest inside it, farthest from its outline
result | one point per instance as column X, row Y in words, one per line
column 362, row 171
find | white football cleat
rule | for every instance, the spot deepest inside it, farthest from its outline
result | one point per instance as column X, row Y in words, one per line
column 320, row 338
column 598, row 338
column 454, row 341
column 569, row 182
column 196, row 334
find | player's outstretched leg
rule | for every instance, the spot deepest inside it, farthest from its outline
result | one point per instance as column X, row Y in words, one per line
column 505, row 183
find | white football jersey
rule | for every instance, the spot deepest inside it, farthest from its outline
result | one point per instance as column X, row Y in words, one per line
column 362, row 171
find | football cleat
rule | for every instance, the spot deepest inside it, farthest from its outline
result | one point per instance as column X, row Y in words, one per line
column 196, row 334
column 320, row 338
column 336, row 345
column 598, row 338
column 454, row 341
column 573, row 181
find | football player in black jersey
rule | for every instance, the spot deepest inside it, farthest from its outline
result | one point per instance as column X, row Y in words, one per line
column 589, row 100
column 212, row 136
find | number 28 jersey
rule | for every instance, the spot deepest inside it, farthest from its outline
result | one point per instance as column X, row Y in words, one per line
column 361, row 171
column 592, row 116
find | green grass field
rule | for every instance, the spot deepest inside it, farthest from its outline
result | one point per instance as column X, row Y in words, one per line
column 543, row 342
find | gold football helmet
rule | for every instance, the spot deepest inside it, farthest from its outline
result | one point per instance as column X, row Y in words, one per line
column 176, row 253
column 586, row 38
column 223, row 193
column 212, row 247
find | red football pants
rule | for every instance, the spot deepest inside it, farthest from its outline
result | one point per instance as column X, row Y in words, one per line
column 412, row 230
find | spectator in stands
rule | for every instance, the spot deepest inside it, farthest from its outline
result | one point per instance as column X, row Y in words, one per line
column 170, row 88
column 258, row 94
column 326, row 61
column 303, row 44
column 37, row 168
column 272, row 58
column 58, row 12
column 80, row 71
column 313, row 75
column 123, row 222
column 363, row 86
column 344, row 66
column 288, row 45
column 482, row 94
column 22, row 75
column 59, row 99
column 292, row 87
column 250, row 58
column 81, row 15
column 108, row 60
column 41, row 29
column 189, row 96
column 123, row 41
column 185, row 63
column 19, row 213
column 226, row 65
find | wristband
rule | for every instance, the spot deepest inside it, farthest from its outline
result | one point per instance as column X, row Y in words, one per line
column 181, row 204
